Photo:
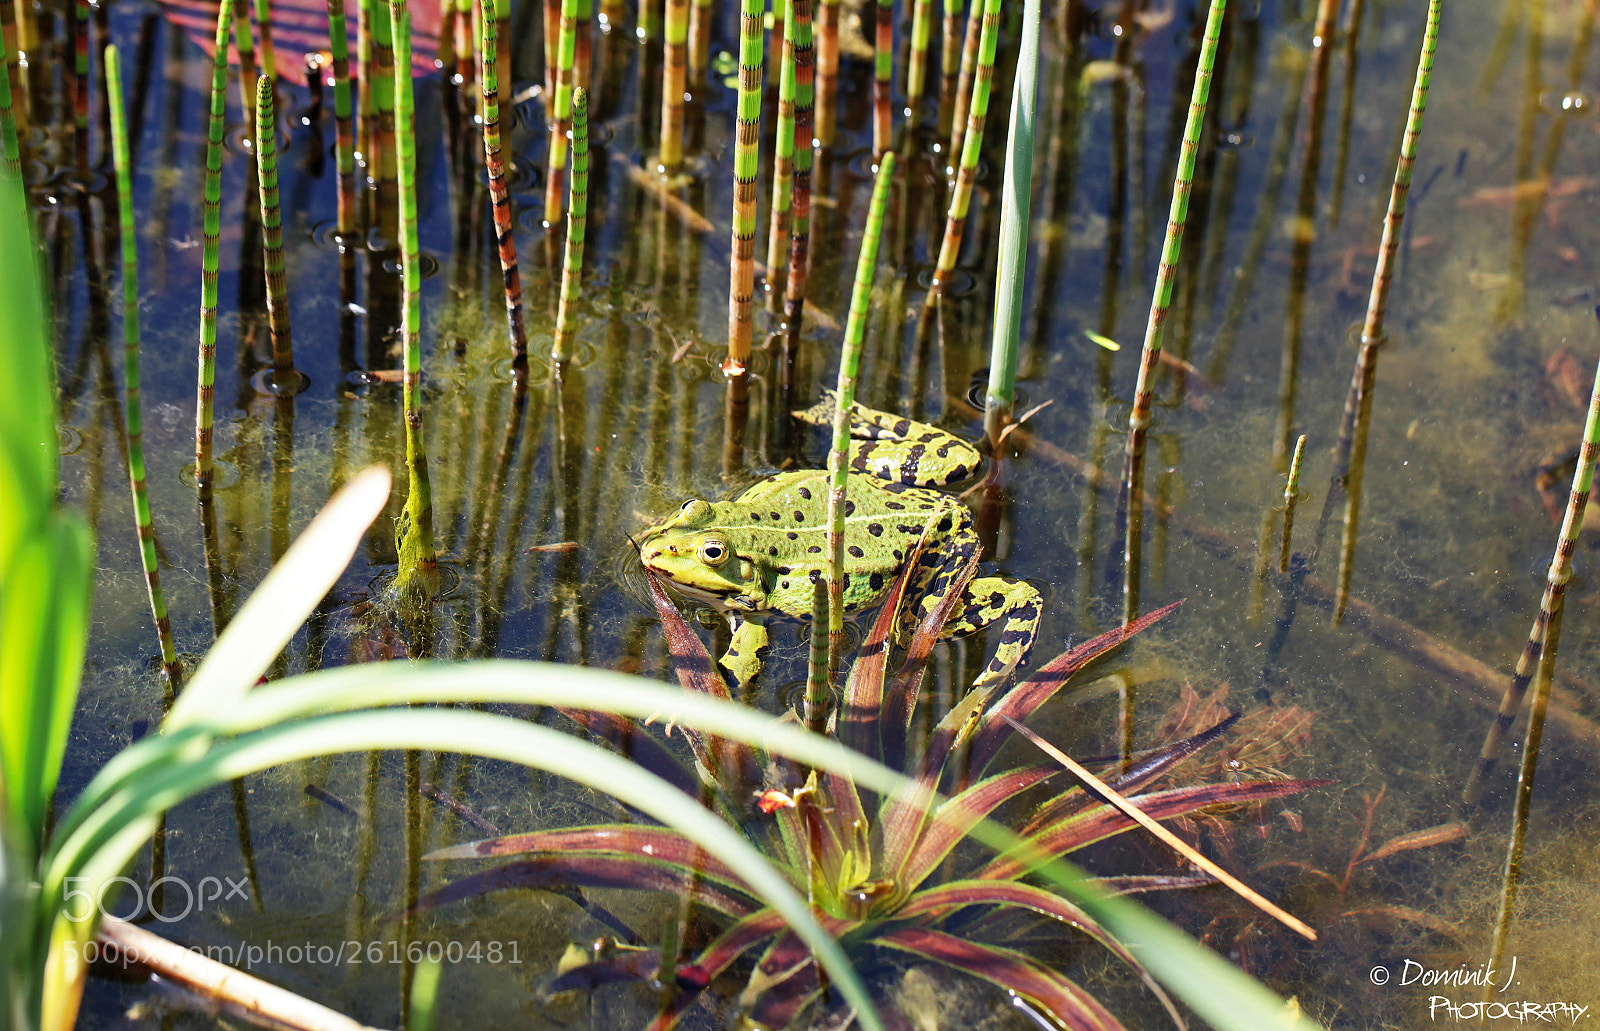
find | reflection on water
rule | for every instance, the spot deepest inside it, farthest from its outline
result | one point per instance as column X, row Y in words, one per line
column 537, row 490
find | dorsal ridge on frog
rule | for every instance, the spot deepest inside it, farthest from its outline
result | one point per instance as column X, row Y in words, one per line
column 757, row 555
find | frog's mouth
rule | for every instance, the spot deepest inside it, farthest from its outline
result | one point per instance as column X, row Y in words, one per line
column 729, row 600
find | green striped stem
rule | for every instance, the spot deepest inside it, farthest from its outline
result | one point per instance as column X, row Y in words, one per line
column 583, row 43
column 364, row 67
column 206, row 390
column 494, row 162
column 283, row 374
column 819, row 690
column 269, row 66
column 1161, row 302
column 10, row 149
column 701, row 14
column 1538, row 654
column 1291, row 497
column 577, row 222
column 855, row 332
column 12, row 110
column 1352, row 449
column 1016, row 201
column 746, row 159
column 80, row 87
column 827, row 71
column 244, row 43
column 782, row 172
column 674, row 77
column 917, row 68
column 804, row 116
column 561, row 111
column 883, row 78
column 949, row 62
column 343, row 120
column 417, row 580
column 963, row 100
column 961, row 197
column 381, row 163
column 552, row 45
column 130, row 352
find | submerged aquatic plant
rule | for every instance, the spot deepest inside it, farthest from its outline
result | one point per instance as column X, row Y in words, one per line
column 875, row 867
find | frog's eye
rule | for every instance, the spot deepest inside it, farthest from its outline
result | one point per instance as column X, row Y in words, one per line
column 713, row 553
column 687, row 505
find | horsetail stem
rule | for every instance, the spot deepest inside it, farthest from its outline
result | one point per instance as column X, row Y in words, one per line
column 1538, row 654
column 782, row 172
column 917, row 68
column 961, row 196
column 364, row 67
column 1291, row 496
column 467, row 36
column 746, row 158
column 561, row 113
column 949, row 62
column 1352, row 449
column 269, row 66
column 800, row 218
column 283, row 374
column 494, row 162
column 583, row 41
column 344, row 130
column 577, row 220
column 674, row 76
column 130, row 353
column 819, row 689
column 1161, row 301
column 855, row 332
column 244, row 43
column 206, row 389
column 382, row 163
column 963, row 101
column 700, row 15
column 827, row 70
column 417, row 578
column 882, row 78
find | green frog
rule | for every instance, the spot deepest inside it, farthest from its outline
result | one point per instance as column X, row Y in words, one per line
column 758, row 555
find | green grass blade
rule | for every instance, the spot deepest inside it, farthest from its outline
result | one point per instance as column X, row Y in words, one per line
column 1015, row 206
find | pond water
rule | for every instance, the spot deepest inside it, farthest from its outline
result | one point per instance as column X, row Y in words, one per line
column 1482, row 383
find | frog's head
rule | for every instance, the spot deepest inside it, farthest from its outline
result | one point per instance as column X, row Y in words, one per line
column 700, row 561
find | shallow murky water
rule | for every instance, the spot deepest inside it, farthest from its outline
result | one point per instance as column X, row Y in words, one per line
column 1482, row 383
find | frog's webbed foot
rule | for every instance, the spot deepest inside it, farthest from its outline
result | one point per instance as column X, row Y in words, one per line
column 991, row 599
column 742, row 661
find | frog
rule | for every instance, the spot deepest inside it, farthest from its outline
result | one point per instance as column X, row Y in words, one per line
column 757, row 556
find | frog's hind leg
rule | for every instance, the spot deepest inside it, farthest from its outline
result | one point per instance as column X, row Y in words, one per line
column 898, row 449
column 745, row 653
column 993, row 599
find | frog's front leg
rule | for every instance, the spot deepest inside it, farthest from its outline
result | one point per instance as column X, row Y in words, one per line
column 742, row 661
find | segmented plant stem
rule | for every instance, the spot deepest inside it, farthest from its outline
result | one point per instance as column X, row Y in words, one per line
column 1538, row 655
column 417, row 578
column 494, row 163
column 917, row 67
column 269, row 66
column 972, row 142
column 804, row 112
column 1177, row 215
column 1291, row 496
column 206, row 389
column 855, row 332
column 827, row 70
column 577, row 221
column 1352, row 449
column 11, row 107
column 701, row 12
column 561, row 113
column 467, row 36
column 675, row 77
column 746, row 158
column 130, row 352
column 343, row 120
column 272, row 239
column 382, row 163
column 782, row 172
column 949, row 61
column 963, row 99
column 244, row 43
column 883, row 78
